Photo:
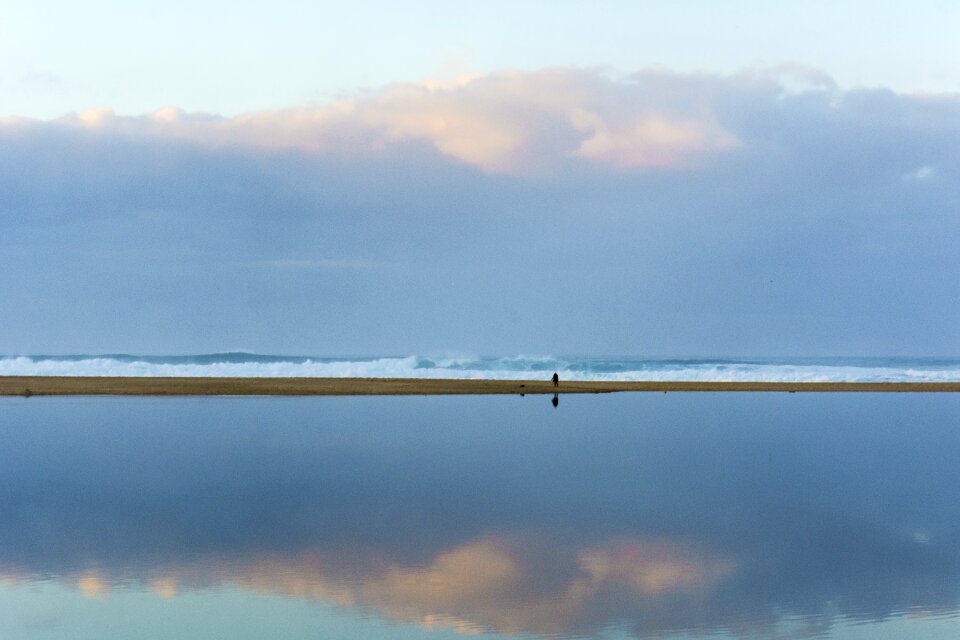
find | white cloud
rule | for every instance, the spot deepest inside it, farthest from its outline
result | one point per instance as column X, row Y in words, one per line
column 921, row 173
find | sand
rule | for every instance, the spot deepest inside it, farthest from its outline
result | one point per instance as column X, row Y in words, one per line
column 126, row 386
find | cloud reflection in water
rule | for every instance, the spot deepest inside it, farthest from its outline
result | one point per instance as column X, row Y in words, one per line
column 650, row 513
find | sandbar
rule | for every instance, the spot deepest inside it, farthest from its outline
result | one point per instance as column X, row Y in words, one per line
column 150, row 386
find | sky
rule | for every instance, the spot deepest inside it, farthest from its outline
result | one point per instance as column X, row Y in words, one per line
column 636, row 178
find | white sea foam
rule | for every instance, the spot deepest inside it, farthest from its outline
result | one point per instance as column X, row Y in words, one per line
column 379, row 368
column 503, row 368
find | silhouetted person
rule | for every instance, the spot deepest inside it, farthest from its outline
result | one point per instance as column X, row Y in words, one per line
column 556, row 379
column 556, row 399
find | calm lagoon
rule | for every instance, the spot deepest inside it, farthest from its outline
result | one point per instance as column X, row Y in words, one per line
column 614, row 516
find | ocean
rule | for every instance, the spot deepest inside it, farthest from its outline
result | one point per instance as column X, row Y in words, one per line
column 519, row 367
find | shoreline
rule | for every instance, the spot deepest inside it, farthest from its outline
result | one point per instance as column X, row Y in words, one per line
column 155, row 386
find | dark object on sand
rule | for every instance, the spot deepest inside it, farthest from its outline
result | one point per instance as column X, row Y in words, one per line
column 556, row 379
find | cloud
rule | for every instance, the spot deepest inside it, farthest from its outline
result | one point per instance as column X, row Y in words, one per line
column 487, row 584
column 509, row 121
column 481, row 585
column 922, row 173
column 93, row 585
column 763, row 212
column 166, row 588
column 653, row 568
column 510, row 533
column 653, row 141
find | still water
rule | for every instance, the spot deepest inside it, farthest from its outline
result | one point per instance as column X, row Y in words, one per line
column 614, row 516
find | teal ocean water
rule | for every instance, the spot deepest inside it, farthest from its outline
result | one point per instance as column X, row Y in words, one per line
column 519, row 367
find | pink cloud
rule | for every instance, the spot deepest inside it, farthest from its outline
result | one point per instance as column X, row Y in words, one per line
column 481, row 585
column 505, row 122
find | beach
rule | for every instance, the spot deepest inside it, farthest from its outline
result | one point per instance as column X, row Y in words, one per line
column 232, row 386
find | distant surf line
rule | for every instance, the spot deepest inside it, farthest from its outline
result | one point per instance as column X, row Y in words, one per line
column 570, row 368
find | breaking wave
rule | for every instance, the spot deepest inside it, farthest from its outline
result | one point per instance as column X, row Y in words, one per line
column 491, row 368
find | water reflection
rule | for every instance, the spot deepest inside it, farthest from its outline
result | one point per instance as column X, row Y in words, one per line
column 647, row 514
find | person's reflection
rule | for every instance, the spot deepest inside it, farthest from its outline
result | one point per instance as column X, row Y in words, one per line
column 556, row 399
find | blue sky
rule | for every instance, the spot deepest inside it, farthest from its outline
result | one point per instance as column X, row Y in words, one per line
column 632, row 178
column 230, row 57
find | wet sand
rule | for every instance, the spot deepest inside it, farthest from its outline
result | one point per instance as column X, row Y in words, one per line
column 127, row 386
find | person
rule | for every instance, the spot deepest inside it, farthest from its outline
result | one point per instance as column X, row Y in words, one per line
column 556, row 379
